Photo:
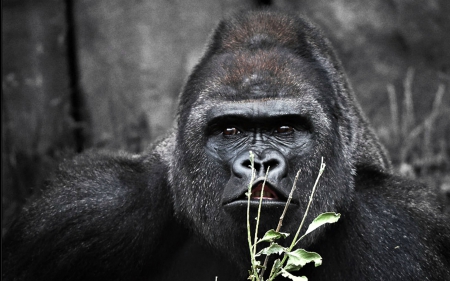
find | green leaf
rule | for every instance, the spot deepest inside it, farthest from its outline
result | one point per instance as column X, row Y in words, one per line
column 272, row 235
column 300, row 257
column 274, row 248
column 323, row 219
column 293, row 277
column 275, row 267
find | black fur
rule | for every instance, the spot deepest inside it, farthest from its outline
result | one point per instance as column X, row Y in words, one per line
column 176, row 213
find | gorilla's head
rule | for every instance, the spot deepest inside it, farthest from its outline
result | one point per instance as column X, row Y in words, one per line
column 270, row 84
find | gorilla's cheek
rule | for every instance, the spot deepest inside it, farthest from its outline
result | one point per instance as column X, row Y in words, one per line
column 198, row 184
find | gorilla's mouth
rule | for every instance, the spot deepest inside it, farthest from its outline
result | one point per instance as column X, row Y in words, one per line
column 270, row 195
column 267, row 193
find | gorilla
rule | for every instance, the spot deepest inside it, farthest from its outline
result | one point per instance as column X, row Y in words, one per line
column 269, row 83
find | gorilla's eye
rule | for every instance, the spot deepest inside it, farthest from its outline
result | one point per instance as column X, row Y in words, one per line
column 284, row 130
column 230, row 131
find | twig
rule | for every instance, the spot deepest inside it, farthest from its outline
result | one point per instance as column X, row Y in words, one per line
column 394, row 111
column 294, row 242
column 280, row 222
column 408, row 116
column 410, row 139
column 294, row 186
column 249, row 235
column 259, row 211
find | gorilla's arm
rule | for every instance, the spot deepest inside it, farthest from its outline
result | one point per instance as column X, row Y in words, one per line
column 397, row 230
column 404, row 227
column 99, row 218
column 392, row 231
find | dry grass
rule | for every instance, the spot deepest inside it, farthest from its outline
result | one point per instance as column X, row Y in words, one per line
column 417, row 147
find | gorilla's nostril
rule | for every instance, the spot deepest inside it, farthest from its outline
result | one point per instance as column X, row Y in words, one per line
column 271, row 163
column 247, row 164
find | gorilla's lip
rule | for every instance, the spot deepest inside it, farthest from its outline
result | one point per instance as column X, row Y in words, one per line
column 271, row 195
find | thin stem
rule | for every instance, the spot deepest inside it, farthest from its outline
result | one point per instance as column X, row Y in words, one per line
column 280, row 222
column 249, row 235
column 294, row 242
column 322, row 168
column 259, row 211
column 294, row 186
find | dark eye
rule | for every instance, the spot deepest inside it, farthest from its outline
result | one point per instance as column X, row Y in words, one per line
column 230, row 132
column 284, row 130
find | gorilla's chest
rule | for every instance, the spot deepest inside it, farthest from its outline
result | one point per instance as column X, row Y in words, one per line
column 193, row 261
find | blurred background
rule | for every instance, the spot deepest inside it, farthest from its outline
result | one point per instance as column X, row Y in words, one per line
column 83, row 74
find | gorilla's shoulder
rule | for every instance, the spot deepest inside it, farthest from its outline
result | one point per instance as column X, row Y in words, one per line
column 375, row 184
column 104, row 174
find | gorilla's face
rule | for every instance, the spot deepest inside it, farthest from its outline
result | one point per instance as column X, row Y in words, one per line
column 274, row 131
column 275, row 104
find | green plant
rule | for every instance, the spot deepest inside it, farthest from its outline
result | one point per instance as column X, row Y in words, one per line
column 292, row 260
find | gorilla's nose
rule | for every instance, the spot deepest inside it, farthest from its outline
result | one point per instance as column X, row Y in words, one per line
column 268, row 159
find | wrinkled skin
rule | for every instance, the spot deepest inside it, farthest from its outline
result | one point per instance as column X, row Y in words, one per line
column 269, row 83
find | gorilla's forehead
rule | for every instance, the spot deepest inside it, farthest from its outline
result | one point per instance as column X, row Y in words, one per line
column 257, row 108
column 274, row 72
